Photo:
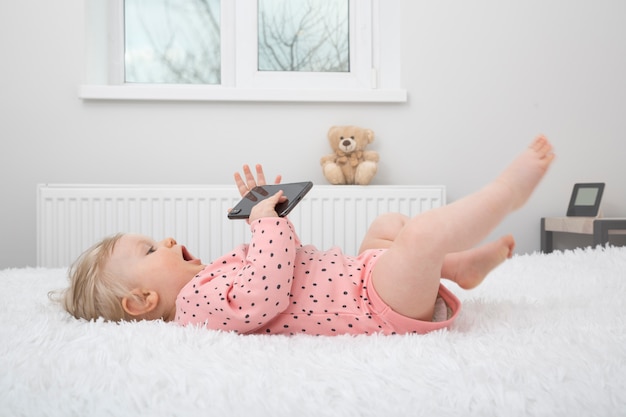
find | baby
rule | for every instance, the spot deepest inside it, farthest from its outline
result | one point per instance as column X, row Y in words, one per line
column 276, row 285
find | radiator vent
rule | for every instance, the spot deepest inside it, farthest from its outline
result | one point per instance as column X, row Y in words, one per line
column 72, row 217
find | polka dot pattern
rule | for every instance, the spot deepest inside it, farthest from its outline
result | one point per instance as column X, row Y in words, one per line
column 274, row 285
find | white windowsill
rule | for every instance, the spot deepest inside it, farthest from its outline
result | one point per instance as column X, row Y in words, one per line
column 218, row 93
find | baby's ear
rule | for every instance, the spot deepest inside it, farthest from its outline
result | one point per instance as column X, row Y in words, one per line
column 140, row 302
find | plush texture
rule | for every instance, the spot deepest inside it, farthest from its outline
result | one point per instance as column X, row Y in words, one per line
column 350, row 163
column 545, row 335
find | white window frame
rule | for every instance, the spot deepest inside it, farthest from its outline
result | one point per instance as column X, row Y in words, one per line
column 374, row 70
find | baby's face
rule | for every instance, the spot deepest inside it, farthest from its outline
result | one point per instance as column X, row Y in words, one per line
column 164, row 267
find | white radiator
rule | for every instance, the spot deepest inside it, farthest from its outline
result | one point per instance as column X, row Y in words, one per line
column 72, row 217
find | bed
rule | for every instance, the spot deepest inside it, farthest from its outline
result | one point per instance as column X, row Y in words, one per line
column 544, row 335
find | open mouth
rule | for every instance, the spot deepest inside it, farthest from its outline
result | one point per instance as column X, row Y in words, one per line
column 188, row 256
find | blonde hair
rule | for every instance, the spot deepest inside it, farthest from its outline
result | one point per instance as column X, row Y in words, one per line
column 94, row 292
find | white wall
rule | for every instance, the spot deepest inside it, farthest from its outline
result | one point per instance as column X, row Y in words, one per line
column 483, row 78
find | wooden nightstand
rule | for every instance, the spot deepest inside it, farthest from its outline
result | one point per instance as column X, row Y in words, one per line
column 600, row 228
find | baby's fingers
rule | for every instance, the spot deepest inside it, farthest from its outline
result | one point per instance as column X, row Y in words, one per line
column 241, row 185
column 260, row 175
column 246, row 182
column 277, row 198
column 267, row 207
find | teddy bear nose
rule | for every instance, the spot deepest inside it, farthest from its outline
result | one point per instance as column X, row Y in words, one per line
column 346, row 142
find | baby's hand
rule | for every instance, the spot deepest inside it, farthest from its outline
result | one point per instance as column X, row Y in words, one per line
column 250, row 182
column 267, row 207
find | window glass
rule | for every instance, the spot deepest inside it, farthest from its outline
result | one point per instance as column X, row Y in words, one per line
column 243, row 50
column 303, row 35
column 172, row 41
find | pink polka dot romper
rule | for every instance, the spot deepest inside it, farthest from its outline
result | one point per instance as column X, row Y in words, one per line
column 274, row 285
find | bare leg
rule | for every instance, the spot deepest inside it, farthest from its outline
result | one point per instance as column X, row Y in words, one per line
column 407, row 275
column 383, row 231
column 467, row 268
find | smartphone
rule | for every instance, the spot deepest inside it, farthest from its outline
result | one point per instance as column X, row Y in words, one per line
column 294, row 192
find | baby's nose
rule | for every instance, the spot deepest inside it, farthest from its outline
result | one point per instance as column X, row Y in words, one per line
column 169, row 242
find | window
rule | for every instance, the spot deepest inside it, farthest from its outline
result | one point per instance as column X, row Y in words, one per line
column 298, row 50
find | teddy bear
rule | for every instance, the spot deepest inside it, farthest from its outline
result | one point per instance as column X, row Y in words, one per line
column 350, row 163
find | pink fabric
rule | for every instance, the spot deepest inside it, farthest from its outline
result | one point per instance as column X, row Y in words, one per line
column 274, row 285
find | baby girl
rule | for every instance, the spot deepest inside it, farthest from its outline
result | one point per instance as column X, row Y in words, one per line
column 276, row 285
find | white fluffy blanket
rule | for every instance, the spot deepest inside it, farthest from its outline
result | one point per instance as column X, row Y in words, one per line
column 545, row 335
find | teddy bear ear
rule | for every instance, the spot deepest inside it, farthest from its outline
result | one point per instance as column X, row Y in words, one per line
column 332, row 130
column 370, row 135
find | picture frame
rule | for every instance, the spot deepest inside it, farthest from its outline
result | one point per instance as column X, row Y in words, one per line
column 585, row 199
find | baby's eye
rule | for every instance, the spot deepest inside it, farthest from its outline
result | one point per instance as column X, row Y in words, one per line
column 152, row 249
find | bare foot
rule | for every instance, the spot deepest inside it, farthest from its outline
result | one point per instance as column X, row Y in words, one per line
column 469, row 268
column 525, row 172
